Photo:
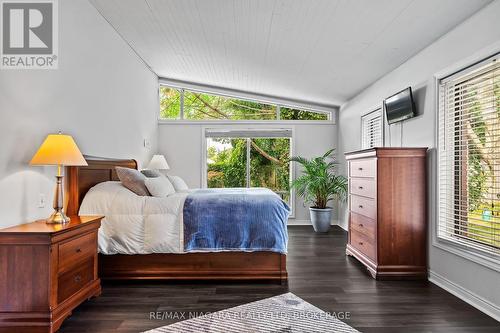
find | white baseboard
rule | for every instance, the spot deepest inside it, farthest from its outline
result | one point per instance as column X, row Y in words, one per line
column 466, row 295
column 345, row 229
column 306, row 222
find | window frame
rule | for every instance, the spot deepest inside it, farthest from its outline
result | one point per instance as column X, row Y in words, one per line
column 473, row 254
column 329, row 121
column 382, row 126
column 204, row 168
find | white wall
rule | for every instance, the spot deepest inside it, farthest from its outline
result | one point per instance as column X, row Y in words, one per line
column 181, row 144
column 475, row 283
column 102, row 94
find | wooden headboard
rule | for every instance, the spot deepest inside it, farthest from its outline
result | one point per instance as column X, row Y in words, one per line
column 80, row 179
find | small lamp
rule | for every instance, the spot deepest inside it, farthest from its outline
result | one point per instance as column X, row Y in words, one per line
column 158, row 162
column 60, row 150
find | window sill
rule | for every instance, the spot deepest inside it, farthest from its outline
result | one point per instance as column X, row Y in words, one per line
column 245, row 122
column 473, row 255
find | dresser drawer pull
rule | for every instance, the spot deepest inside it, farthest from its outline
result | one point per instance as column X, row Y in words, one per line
column 360, row 243
column 361, row 225
column 360, row 169
column 360, row 206
column 360, row 187
column 78, row 278
column 78, row 250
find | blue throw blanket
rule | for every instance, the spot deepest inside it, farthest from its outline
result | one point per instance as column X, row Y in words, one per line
column 235, row 219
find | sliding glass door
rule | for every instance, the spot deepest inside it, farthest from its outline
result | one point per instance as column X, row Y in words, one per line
column 249, row 158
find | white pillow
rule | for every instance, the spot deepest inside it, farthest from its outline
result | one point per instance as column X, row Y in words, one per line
column 179, row 184
column 159, row 187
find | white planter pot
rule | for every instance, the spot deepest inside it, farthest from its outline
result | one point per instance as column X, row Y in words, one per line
column 320, row 218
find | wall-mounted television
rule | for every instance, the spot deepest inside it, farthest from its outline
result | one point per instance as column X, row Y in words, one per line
column 399, row 106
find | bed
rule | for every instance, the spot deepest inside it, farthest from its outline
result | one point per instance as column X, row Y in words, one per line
column 198, row 265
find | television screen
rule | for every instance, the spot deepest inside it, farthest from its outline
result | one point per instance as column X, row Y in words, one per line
column 399, row 106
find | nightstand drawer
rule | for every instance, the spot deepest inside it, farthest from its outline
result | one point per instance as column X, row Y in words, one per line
column 365, row 187
column 41, row 295
column 76, row 249
column 363, row 168
column 363, row 225
column 74, row 279
column 362, row 243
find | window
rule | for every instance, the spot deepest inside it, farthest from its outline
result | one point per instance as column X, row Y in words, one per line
column 183, row 104
column 371, row 129
column 249, row 158
column 170, row 103
column 469, row 157
column 297, row 114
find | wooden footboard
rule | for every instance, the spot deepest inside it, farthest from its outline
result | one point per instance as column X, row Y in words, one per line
column 195, row 266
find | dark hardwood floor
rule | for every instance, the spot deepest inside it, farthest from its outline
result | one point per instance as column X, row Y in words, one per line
column 319, row 272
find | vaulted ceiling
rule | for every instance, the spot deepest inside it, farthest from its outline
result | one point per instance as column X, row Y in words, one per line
column 321, row 51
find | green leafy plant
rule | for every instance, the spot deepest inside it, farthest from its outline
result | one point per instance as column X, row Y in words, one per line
column 319, row 184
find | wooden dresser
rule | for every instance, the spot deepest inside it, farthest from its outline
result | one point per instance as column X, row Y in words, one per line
column 387, row 211
column 46, row 270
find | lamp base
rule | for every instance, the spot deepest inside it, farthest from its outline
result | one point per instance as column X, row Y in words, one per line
column 58, row 217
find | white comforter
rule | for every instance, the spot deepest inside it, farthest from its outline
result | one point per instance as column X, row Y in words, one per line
column 135, row 224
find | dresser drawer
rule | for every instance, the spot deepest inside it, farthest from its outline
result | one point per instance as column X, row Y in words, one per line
column 73, row 280
column 76, row 249
column 365, row 187
column 362, row 244
column 363, row 168
column 364, row 206
column 364, row 225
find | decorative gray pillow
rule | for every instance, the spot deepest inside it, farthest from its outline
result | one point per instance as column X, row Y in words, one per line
column 152, row 173
column 179, row 184
column 133, row 180
column 159, row 187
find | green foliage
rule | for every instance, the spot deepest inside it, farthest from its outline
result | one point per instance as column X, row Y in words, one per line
column 480, row 170
column 296, row 114
column 272, row 174
column 481, row 132
column 319, row 184
column 476, row 119
column 476, row 180
column 228, row 167
column 200, row 106
column 170, row 103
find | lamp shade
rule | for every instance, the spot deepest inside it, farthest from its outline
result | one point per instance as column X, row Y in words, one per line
column 158, row 162
column 58, row 149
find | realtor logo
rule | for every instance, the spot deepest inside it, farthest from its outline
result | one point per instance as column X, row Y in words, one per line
column 29, row 34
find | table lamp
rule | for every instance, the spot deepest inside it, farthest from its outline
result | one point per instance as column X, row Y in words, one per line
column 60, row 150
column 158, row 162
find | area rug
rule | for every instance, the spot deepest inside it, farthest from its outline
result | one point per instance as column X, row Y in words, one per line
column 283, row 313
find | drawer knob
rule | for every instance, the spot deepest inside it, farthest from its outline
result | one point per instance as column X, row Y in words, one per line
column 360, row 206
column 360, row 187
column 360, row 169
column 361, row 225
column 78, row 278
column 78, row 250
column 360, row 243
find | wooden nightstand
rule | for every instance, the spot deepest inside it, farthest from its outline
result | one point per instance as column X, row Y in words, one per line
column 46, row 270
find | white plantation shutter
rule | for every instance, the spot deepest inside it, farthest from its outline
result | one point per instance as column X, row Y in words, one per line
column 371, row 129
column 469, row 157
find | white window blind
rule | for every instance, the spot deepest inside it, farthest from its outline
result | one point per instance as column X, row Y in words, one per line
column 469, row 157
column 371, row 129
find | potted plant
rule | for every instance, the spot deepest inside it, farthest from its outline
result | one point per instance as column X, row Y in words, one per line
column 318, row 185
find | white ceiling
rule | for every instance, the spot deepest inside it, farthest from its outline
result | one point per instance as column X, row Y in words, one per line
column 321, row 51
